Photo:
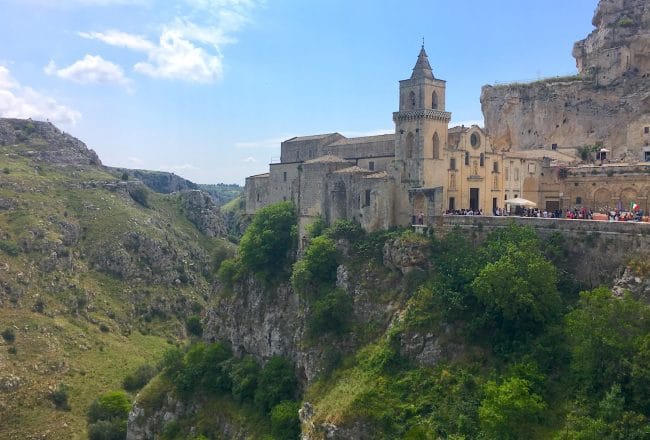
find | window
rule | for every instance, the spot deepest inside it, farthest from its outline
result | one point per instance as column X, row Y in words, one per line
column 436, row 146
column 371, row 166
column 554, row 147
column 578, row 200
column 495, row 166
column 452, row 164
column 467, row 158
column 482, row 159
column 646, row 156
column 412, row 99
column 475, row 140
column 367, row 201
column 452, row 203
column 434, row 101
column 258, row 197
column 646, row 130
column 516, row 174
column 507, row 173
column 284, row 176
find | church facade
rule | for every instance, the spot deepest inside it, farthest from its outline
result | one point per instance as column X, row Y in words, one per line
column 411, row 176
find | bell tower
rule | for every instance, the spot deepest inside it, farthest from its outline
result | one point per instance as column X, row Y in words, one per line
column 421, row 125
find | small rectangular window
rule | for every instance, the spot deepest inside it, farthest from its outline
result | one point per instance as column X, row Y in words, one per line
column 367, row 198
column 452, row 164
column 495, row 167
column 371, row 166
column 507, row 172
column 554, row 147
column 646, row 130
column 284, row 176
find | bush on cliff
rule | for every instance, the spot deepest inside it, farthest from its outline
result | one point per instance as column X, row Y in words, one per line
column 268, row 245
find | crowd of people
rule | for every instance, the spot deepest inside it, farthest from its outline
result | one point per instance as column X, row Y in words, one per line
column 572, row 214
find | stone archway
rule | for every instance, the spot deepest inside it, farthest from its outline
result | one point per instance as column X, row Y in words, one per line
column 628, row 196
column 419, row 208
column 602, row 200
column 530, row 189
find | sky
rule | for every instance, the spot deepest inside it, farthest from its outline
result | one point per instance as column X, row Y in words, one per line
column 208, row 89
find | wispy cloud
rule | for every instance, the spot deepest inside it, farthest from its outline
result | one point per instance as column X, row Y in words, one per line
column 250, row 159
column 18, row 101
column 188, row 47
column 92, row 69
column 134, row 160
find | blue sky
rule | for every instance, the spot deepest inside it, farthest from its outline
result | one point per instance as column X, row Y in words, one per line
column 208, row 88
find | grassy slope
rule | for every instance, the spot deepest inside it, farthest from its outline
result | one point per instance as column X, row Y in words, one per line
column 64, row 343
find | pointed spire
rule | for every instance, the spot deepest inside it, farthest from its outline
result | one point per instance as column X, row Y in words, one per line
column 422, row 67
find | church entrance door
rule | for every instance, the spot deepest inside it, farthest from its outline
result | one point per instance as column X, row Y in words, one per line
column 473, row 199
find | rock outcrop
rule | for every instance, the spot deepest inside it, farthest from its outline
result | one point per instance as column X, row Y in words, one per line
column 203, row 213
column 607, row 103
column 44, row 142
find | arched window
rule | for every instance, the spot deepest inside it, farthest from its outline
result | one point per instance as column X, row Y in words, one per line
column 410, row 144
column 434, row 101
column 436, row 146
column 482, row 159
column 467, row 158
column 412, row 99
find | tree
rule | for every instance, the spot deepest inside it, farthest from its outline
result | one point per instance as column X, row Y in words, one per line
column 520, row 296
column 276, row 383
column 269, row 242
column 605, row 333
column 317, row 268
column 285, row 424
column 510, row 409
column 107, row 416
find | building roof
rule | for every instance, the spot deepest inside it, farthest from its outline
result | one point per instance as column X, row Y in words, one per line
column 422, row 67
column 364, row 140
column 311, row 138
column 328, row 158
column 353, row 170
column 378, row 175
column 259, row 175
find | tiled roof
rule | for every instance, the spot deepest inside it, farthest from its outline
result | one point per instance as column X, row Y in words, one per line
column 353, row 170
column 364, row 140
column 328, row 158
column 310, row 138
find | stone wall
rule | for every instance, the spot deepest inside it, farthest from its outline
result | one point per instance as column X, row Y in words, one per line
column 597, row 250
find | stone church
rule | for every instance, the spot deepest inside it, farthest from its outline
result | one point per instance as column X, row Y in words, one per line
column 411, row 176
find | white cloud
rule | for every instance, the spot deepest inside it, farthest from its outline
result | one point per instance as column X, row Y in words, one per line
column 18, row 101
column 120, row 39
column 92, row 69
column 250, row 159
column 188, row 47
column 134, row 160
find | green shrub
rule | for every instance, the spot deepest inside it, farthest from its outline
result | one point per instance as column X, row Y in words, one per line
column 107, row 430
column 347, row 229
column 243, row 377
column 194, row 326
column 316, row 228
column 9, row 335
column 104, row 328
column 12, row 350
column 230, row 271
column 60, row 397
column 139, row 378
column 9, row 248
column 109, row 406
column 330, row 314
column 317, row 268
column 285, row 424
column 268, row 245
column 276, row 383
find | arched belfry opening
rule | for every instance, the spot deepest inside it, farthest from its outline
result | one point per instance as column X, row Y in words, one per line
column 435, row 146
column 410, row 145
column 434, row 101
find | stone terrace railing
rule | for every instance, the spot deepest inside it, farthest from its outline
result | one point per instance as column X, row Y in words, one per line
column 447, row 222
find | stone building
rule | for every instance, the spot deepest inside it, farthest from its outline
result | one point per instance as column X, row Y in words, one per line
column 411, row 176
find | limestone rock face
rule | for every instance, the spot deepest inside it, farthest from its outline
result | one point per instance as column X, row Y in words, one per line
column 608, row 102
column 406, row 255
column 44, row 142
column 201, row 210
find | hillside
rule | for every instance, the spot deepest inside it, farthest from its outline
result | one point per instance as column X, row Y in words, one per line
column 97, row 276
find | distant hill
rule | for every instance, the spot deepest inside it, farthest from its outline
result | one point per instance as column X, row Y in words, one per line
column 222, row 193
column 98, row 274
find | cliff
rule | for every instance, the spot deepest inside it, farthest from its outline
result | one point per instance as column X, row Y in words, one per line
column 607, row 102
